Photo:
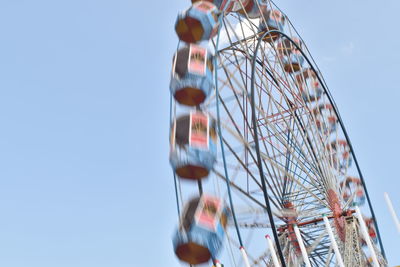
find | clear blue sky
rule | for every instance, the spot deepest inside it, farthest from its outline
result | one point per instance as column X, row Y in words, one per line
column 84, row 102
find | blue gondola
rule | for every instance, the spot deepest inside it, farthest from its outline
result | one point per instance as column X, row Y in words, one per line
column 325, row 118
column 192, row 79
column 310, row 88
column 225, row 5
column 201, row 233
column 291, row 57
column 340, row 153
column 293, row 63
column 252, row 8
column 353, row 190
column 198, row 23
column 193, row 146
column 273, row 20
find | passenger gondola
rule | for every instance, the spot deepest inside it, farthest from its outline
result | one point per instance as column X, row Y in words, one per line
column 202, row 230
column 193, row 146
column 192, row 80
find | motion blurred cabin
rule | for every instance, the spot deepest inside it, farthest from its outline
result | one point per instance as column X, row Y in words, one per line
column 325, row 118
column 250, row 8
column 202, row 230
column 340, row 155
column 193, row 146
column 290, row 55
column 310, row 88
column 192, row 80
column 273, row 20
column 198, row 23
column 353, row 190
column 226, row 5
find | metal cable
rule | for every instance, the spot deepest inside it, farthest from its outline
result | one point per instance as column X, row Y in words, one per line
column 257, row 147
column 220, row 134
column 175, row 182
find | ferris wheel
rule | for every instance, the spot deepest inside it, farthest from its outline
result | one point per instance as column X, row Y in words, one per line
column 264, row 171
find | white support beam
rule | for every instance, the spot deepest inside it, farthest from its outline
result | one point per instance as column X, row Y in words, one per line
column 245, row 258
column 366, row 236
column 302, row 247
column 273, row 252
column 339, row 259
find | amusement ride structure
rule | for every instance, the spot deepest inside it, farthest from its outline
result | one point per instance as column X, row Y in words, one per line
column 264, row 171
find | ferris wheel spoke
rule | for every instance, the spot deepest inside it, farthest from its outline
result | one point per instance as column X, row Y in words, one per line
column 318, row 165
column 294, row 179
column 242, row 41
column 277, row 133
column 289, row 128
column 235, row 61
column 305, row 136
column 235, row 125
column 242, row 164
column 246, row 145
column 291, row 151
column 272, row 172
column 317, row 241
column 286, row 154
column 228, row 82
column 241, row 190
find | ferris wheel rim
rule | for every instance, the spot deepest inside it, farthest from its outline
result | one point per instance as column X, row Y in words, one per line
column 258, row 153
column 326, row 90
column 335, row 109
